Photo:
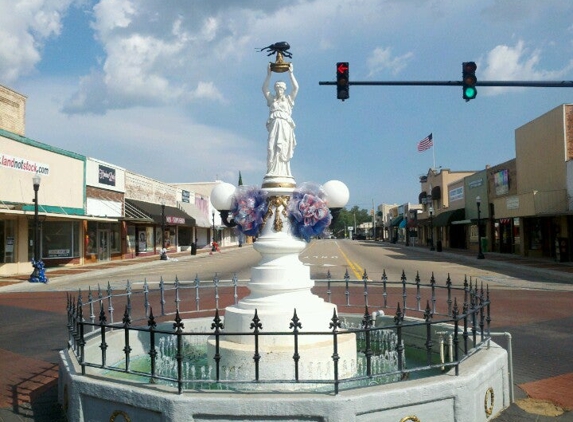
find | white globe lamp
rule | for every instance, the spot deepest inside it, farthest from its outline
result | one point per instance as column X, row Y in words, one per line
column 337, row 194
column 222, row 196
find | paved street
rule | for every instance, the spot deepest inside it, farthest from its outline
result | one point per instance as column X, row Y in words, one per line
column 538, row 315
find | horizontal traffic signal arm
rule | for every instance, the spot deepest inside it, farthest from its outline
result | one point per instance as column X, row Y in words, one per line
column 539, row 84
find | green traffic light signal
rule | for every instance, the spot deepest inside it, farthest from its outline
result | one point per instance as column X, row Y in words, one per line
column 469, row 93
column 469, row 80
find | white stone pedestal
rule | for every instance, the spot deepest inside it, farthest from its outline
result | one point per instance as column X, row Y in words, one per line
column 279, row 285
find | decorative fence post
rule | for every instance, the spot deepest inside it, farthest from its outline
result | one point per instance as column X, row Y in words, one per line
column 178, row 327
column 256, row 326
column 295, row 325
column 127, row 349
column 367, row 323
column 398, row 319
column 429, row 343
column 152, row 350
column 217, row 325
column 335, row 326
column 103, row 345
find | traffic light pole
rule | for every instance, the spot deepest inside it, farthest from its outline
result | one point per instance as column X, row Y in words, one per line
column 531, row 84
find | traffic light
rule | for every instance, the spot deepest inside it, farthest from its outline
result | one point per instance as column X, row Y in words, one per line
column 342, row 86
column 469, row 80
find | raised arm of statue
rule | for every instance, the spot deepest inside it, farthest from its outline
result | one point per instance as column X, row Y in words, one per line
column 294, row 90
column 266, row 91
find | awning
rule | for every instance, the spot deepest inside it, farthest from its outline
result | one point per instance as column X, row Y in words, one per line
column 436, row 193
column 402, row 224
column 200, row 219
column 421, row 197
column 51, row 212
column 148, row 212
column 397, row 220
column 447, row 217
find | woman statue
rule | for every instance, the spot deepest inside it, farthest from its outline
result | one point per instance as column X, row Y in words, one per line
column 281, row 141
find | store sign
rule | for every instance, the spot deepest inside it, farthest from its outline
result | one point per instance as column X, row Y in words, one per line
column 512, row 203
column 59, row 253
column 475, row 183
column 106, row 176
column 23, row 164
column 185, row 195
column 175, row 220
column 456, row 194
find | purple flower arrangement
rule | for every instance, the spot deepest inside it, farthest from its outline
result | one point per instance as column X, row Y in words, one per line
column 309, row 215
column 249, row 208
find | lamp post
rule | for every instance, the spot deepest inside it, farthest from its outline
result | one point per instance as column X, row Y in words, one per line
column 478, row 203
column 213, row 240
column 163, row 253
column 432, row 228
column 38, row 274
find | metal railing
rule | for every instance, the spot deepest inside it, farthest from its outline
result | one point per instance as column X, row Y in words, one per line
column 385, row 346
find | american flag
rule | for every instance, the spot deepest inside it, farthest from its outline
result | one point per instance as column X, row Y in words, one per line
column 425, row 143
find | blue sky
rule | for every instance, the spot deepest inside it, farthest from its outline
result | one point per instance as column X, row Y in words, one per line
column 172, row 89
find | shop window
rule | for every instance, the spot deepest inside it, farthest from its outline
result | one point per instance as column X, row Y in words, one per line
column 7, row 241
column 149, row 231
column 60, row 239
column 115, row 238
column 145, row 240
column 91, row 238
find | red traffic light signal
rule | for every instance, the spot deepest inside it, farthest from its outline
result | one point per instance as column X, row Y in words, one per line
column 342, row 85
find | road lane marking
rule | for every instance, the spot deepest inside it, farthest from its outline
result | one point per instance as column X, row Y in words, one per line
column 356, row 269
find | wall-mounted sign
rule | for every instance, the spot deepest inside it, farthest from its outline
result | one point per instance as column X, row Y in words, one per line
column 23, row 164
column 501, row 182
column 174, row 220
column 456, row 194
column 185, row 195
column 106, row 175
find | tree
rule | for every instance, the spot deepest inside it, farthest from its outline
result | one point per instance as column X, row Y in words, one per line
column 348, row 218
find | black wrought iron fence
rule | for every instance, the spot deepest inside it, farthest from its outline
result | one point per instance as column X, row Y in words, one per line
column 416, row 339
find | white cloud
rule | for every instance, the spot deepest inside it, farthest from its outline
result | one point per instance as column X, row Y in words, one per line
column 112, row 14
column 381, row 59
column 165, row 143
column 518, row 63
column 24, row 27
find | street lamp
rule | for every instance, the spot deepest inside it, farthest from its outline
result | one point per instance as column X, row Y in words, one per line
column 163, row 254
column 480, row 253
column 38, row 275
column 432, row 228
column 213, row 243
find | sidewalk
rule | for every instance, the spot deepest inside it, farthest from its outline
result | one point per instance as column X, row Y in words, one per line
column 55, row 272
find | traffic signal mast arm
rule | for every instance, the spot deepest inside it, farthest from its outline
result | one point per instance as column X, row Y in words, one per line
column 539, row 84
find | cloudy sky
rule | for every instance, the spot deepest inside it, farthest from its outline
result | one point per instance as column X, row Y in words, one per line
column 172, row 89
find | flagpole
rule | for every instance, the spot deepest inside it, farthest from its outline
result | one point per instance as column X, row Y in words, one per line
column 433, row 152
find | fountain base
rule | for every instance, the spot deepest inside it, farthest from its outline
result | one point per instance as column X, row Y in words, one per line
column 468, row 397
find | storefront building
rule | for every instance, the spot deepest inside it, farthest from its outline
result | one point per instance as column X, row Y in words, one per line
column 105, row 189
column 61, row 198
column 154, row 218
column 544, row 149
column 434, row 202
